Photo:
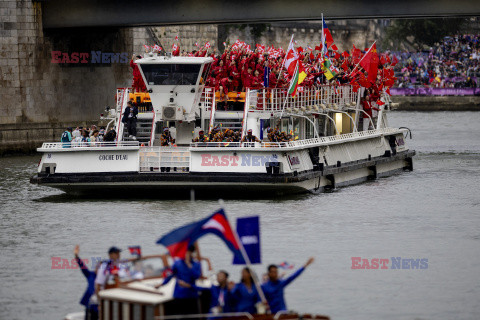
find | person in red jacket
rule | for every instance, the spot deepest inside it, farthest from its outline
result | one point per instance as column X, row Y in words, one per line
column 368, row 115
column 138, row 84
column 247, row 79
column 272, row 79
column 226, row 85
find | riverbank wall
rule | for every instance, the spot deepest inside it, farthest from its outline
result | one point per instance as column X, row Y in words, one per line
column 437, row 103
column 25, row 138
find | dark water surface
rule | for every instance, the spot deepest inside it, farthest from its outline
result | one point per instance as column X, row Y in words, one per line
column 431, row 213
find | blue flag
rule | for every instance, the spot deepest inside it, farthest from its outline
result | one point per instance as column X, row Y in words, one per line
column 248, row 230
column 266, row 77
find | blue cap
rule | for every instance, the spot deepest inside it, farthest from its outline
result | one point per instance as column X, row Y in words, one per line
column 114, row 250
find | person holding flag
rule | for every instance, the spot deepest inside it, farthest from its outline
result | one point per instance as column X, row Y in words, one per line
column 275, row 286
column 186, row 271
column 179, row 243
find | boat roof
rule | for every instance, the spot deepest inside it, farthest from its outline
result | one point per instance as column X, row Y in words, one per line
column 144, row 291
column 156, row 59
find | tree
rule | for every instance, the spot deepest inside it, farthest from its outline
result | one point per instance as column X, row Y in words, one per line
column 419, row 32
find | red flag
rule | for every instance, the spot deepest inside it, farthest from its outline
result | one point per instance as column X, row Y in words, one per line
column 356, row 54
column 394, row 61
column 383, row 60
column 337, row 55
column 178, row 240
column 345, row 65
column 135, row 250
column 345, row 54
column 369, row 62
column 328, row 37
column 380, row 102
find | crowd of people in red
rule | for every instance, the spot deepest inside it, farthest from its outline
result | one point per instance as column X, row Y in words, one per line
column 239, row 67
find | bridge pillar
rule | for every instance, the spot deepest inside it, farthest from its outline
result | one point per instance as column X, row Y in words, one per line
column 40, row 94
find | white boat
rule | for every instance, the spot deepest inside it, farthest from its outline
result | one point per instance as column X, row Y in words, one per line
column 328, row 150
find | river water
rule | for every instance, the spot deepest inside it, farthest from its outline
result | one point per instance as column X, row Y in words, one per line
column 431, row 213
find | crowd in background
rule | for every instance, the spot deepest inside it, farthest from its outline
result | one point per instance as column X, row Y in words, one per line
column 452, row 63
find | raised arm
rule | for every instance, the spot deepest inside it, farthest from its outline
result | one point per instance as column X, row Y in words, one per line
column 292, row 277
column 80, row 263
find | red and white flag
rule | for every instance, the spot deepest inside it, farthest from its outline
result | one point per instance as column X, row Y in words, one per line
column 146, row 47
column 291, row 58
column 174, row 47
column 157, row 48
column 176, row 38
column 207, row 45
column 196, row 44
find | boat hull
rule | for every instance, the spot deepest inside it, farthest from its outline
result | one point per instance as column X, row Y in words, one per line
column 227, row 185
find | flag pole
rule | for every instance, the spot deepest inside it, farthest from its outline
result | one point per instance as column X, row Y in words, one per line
column 323, row 36
column 283, row 61
column 286, row 97
column 247, row 259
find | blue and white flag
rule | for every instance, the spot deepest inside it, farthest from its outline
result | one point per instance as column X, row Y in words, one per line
column 248, row 230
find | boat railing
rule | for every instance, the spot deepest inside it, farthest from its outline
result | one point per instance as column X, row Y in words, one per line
column 164, row 159
column 296, row 143
column 334, row 97
column 208, row 98
column 224, row 315
column 245, row 315
column 88, row 145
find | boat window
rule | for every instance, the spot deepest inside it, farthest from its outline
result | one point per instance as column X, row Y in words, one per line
column 171, row 74
column 296, row 128
column 309, row 129
column 142, row 269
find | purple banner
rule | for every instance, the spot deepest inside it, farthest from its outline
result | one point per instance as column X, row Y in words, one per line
column 435, row 91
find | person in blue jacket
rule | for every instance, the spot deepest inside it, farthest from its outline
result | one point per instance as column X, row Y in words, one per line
column 245, row 293
column 221, row 295
column 186, row 272
column 67, row 138
column 89, row 299
column 274, row 287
